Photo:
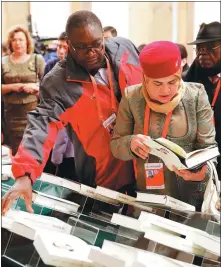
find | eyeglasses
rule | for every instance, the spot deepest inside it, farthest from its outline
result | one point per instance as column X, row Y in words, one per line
column 207, row 47
column 83, row 50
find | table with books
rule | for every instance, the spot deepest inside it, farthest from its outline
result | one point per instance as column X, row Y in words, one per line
column 75, row 225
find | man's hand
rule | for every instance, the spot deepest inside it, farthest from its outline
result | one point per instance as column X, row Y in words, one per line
column 21, row 188
column 191, row 176
column 137, row 146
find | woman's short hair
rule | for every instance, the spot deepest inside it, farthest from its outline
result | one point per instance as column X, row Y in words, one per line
column 11, row 34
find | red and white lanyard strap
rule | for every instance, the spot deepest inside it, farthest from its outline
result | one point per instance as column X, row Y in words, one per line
column 147, row 122
column 97, row 97
column 217, row 90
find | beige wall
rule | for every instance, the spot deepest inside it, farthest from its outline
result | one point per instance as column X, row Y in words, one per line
column 13, row 13
column 148, row 21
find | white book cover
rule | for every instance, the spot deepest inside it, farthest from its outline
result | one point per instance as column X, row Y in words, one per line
column 52, row 179
column 164, row 200
column 62, row 250
column 7, row 223
column 179, row 228
column 174, row 155
column 206, row 241
column 7, row 170
column 127, row 256
column 114, row 195
column 127, row 222
column 36, row 220
column 5, row 151
column 158, row 235
column 105, row 259
column 54, row 203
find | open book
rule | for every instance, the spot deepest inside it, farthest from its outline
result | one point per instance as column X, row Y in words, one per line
column 173, row 155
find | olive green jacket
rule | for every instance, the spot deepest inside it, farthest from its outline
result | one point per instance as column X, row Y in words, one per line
column 191, row 127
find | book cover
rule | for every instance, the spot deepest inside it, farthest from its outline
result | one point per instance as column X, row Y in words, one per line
column 173, row 155
column 206, row 241
column 30, row 220
column 62, row 250
column 164, row 200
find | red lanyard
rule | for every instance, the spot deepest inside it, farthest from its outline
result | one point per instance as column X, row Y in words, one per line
column 216, row 94
column 97, row 97
column 147, row 122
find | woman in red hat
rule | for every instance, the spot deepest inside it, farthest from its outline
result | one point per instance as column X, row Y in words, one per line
column 164, row 106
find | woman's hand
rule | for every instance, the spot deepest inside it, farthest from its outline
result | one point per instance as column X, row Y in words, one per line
column 31, row 88
column 17, row 87
column 191, row 176
column 137, row 146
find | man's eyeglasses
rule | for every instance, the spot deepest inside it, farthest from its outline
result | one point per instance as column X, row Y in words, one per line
column 206, row 48
column 83, row 50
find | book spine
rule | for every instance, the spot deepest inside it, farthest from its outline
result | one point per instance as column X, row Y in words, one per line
column 179, row 205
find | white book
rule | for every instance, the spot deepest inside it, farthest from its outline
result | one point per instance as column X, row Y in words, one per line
column 35, row 220
column 7, row 223
column 5, row 151
column 174, row 155
column 206, row 241
column 127, row 222
column 119, row 255
column 182, row 229
column 52, row 179
column 7, row 170
column 62, row 250
column 115, row 195
column 168, row 239
column 91, row 192
column 105, row 259
column 164, row 200
column 54, row 203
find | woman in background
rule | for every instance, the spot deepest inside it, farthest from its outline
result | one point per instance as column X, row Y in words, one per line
column 21, row 72
column 164, row 106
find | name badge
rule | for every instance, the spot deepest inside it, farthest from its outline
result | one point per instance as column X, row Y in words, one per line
column 109, row 123
column 154, row 176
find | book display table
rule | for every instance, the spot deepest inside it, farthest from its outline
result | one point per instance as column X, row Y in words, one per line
column 93, row 223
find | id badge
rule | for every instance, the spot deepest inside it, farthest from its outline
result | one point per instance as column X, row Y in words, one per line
column 109, row 123
column 154, row 176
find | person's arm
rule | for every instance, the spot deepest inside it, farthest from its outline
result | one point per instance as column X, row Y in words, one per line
column 124, row 144
column 33, row 88
column 38, row 140
column 205, row 125
column 40, row 66
column 12, row 87
column 205, row 135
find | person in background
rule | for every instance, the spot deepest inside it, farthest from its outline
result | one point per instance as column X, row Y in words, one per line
column 109, row 32
column 61, row 52
column 164, row 106
column 206, row 69
column 184, row 56
column 140, row 47
column 5, row 50
column 80, row 93
column 21, row 72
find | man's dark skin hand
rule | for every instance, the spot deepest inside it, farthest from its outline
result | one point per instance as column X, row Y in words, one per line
column 22, row 188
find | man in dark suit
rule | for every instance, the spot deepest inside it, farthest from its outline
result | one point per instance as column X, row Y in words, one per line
column 206, row 69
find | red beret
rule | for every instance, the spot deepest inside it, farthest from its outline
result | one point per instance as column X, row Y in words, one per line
column 160, row 59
